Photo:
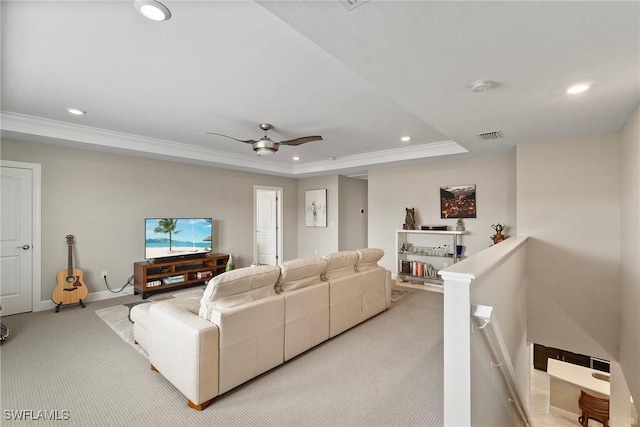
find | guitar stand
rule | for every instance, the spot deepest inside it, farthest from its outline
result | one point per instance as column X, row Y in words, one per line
column 59, row 304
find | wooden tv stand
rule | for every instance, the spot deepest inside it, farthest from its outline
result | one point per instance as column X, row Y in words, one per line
column 161, row 276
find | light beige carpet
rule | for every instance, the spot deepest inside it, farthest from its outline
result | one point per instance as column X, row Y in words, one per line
column 386, row 371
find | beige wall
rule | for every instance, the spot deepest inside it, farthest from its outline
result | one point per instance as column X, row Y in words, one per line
column 391, row 190
column 353, row 214
column 103, row 200
column 318, row 241
column 630, row 250
column 569, row 205
column 346, row 227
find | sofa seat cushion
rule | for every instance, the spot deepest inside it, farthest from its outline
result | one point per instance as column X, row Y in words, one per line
column 194, row 292
column 300, row 273
column 190, row 303
column 368, row 259
column 237, row 287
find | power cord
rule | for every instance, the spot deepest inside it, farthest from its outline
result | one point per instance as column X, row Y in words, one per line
column 129, row 282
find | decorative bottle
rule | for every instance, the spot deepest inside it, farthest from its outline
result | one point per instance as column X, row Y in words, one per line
column 230, row 265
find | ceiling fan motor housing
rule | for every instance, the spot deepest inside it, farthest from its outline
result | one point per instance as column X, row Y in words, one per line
column 265, row 146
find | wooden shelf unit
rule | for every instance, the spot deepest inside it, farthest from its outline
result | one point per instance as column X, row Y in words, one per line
column 155, row 277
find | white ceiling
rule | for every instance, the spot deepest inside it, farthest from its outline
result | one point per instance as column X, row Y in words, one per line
column 361, row 78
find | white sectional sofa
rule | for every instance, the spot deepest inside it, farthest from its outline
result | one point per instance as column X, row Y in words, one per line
column 250, row 320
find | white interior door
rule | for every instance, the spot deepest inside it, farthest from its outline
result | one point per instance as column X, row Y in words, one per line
column 267, row 219
column 16, row 235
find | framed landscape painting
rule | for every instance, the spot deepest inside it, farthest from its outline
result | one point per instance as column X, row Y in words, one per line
column 316, row 208
column 458, row 201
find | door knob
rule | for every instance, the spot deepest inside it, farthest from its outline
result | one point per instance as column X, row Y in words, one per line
column 25, row 247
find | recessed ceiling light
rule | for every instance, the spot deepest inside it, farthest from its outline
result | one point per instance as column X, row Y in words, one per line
column 405, row 139
column 76, row 111
column 332, row 158
column 577, row 88
column 296, row 158
column 152, row 10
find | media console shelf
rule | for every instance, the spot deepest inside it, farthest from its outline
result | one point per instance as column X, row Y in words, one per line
column 167, row 275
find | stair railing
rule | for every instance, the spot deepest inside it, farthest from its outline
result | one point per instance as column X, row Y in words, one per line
column 489, row 325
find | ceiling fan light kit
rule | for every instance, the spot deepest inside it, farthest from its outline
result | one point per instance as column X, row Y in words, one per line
column 152, row 10
column 265, row 147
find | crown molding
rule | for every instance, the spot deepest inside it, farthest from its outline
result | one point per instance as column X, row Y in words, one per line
column 362, row 161
column 118, row 142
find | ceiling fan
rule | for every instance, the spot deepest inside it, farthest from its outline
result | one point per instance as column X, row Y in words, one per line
column 265, row 146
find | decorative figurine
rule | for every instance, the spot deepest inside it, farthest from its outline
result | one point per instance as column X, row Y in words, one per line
column 459, row 225
column 498, row 237
column 410, row 219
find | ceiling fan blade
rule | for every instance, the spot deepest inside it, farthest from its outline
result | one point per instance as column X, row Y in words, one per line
column 250, row 141
column 301, row 140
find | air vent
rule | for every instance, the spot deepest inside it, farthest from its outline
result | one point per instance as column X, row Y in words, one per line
column 351, row 4
column 487, row 136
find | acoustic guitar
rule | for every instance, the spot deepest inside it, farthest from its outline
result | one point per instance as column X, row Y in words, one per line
column 70, row 288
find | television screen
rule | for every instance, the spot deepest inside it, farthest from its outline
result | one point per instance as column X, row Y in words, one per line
column 177, row 237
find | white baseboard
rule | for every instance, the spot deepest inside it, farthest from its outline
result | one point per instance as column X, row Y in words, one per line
column 93, row 296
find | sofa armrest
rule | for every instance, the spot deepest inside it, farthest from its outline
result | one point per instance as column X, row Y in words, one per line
column 184, row 349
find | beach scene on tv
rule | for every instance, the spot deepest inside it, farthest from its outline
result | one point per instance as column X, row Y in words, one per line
column 172, row 237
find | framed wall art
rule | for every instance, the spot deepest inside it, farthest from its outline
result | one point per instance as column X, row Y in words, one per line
column 316, row 208
column 458, row 201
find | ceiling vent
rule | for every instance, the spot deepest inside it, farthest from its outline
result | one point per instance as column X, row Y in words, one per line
column 488, row 136
column 351, row 4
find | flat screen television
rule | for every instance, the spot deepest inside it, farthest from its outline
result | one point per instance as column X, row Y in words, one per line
column 177, row 237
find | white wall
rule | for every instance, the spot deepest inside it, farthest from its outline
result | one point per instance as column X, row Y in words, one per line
column 318, row 241
column 103, row 200
column 353, row 214
column 569, row 205
column 391, row 190
column 630, row 248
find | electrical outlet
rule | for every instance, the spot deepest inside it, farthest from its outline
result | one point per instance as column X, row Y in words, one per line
column 104, row 273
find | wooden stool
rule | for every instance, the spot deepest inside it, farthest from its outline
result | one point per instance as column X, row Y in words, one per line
column 593, row 407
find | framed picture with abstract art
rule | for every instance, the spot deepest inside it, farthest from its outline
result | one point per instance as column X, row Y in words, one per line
column 316, row 208
column 458, row 201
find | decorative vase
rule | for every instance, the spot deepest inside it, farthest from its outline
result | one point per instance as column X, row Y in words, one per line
column 459, row 225
column 230, row 265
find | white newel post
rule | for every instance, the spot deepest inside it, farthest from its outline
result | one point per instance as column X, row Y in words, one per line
column 457, row 349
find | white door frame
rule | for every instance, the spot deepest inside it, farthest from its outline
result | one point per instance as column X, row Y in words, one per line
column 36, row 268
column 279, row 215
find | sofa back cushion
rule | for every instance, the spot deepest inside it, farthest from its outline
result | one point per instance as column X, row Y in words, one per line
column 368, row 258
column 238, row 287
column 300, row 273
column 340, row 264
